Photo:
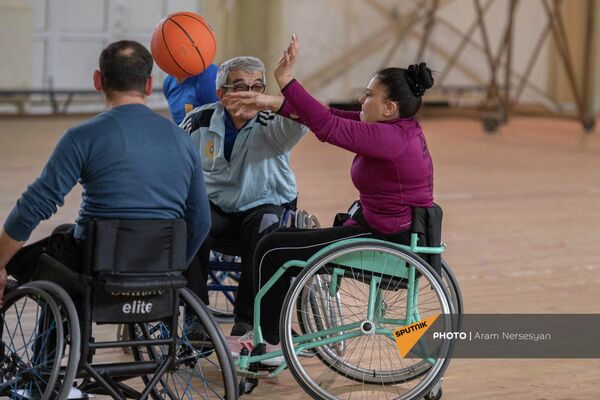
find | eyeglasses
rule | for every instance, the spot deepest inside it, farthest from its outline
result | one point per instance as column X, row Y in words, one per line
column 242, row 87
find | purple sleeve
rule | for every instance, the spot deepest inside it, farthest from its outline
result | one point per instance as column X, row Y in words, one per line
column 288, row 111
column 354, row 115
column 370, row 139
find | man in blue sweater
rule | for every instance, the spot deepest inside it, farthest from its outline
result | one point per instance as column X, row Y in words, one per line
column 131, row 162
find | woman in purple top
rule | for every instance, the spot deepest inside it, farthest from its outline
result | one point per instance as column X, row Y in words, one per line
column 392, row 170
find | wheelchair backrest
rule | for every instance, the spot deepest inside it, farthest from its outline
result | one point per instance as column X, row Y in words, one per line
column 136, row 246
column 135, row 266
column 428, row 223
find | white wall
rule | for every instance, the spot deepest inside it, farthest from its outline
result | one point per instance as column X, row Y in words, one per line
column 69, row 35
column 15, row 44
column 330, row 29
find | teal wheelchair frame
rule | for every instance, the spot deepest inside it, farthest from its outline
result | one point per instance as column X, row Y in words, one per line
column 349, row 297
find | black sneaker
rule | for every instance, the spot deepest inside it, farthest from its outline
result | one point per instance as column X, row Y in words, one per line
column 240, row 328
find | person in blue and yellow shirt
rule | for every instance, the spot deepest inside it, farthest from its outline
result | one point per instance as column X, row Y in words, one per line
column 185, row 95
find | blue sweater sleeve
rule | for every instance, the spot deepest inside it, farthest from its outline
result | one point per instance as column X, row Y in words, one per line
column 43, row 197
column 197, row 212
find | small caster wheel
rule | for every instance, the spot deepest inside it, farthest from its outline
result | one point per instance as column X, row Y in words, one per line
column 432, row 396
column 490, row 125
column 589, row 124
column 247, row 385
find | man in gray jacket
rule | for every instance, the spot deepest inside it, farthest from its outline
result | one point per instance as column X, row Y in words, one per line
column 246, row 166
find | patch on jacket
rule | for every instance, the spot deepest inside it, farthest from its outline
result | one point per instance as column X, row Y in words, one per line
column 209, row 149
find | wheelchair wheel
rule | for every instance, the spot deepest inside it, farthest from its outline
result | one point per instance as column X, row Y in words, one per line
column 203, row 365
column 365, row 360
column 31, row 350
column 451, row 284
column 316, row 313
column 222, row 291
column 72, row 335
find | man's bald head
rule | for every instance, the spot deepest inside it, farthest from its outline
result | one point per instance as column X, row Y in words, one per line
column 125, row 66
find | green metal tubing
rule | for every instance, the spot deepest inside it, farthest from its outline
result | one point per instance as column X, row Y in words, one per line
column 258, row 336
column 337, row 338
column 335, row 280
column 373, row 288
column 331, row 331
column 410, row 295
column 378, row 302
column 282, row 367
column 416, row 314
column 260, row 374
column 396, row 322
column 414, row 239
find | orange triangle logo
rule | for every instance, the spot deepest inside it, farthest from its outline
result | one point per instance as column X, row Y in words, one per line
column 407, row 336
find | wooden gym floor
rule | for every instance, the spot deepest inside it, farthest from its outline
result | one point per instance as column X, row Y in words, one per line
column 522, row 219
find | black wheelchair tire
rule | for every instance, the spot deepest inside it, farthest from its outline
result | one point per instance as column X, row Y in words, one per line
column 74, row 334
column 226, row 365
column 9, row 300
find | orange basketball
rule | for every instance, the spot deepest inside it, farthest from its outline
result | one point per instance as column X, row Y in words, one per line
column 183, row 44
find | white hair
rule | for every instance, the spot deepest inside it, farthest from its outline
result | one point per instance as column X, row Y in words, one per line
column 244, row 63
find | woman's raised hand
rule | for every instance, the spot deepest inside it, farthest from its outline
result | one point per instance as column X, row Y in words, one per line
column 283, row 72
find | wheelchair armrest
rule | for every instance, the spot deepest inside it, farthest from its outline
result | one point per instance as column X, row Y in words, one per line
column 49, row 269
column 128, row 283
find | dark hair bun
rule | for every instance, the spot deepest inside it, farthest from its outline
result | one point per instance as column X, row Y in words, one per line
column 419, row 78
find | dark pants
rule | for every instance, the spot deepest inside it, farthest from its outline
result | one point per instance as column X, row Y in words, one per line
column 23, row 266
column 61, row 245
column 247, row 226
column 295, row 244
